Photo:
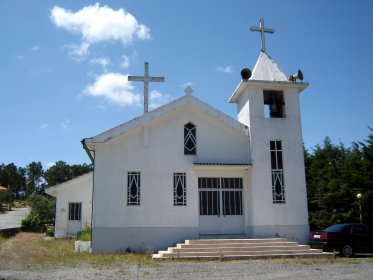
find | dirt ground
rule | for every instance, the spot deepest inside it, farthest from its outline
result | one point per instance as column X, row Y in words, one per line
column 29, row 256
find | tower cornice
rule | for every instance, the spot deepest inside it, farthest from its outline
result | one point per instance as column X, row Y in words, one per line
column 266, row 85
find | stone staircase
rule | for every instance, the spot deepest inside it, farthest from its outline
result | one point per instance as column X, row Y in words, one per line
column 239, row 249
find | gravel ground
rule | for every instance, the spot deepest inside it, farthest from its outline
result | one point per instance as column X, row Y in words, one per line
column 258, row 269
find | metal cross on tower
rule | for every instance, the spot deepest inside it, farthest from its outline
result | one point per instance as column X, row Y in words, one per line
column 146, row 79
column 262, row 30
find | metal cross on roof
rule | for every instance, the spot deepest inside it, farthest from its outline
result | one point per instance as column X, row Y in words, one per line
column 146, row 79
column 262, row 30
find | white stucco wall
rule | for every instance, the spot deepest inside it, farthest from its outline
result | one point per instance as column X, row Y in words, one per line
column 78, row 190
column 157, row 162
column 289, row 219
column 157, row 158
column 156, row 149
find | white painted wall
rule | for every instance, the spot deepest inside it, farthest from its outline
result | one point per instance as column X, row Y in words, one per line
column 157, row 160
column 268, row 219
column 75, row 190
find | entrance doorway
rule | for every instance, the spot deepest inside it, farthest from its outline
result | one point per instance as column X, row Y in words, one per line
column 220, row 206
column 74, row 222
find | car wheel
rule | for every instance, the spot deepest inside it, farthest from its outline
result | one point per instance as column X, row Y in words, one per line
column 347, row 251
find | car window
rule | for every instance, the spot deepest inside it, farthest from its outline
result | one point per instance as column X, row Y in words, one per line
column 370, row 229
column 338, row 228
column 359, row 229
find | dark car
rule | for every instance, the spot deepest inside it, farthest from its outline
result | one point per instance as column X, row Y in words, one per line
column 347, row 239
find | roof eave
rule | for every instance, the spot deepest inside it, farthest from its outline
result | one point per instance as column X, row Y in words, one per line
column 89, row 150
column 244, row 84
column 156, row 113
column 53, row 191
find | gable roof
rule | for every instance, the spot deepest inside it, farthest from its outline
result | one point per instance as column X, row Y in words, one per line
column 161, row 111
column 53, row 191
column 266, row 69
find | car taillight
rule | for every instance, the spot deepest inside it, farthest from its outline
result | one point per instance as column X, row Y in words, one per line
column 324, row 236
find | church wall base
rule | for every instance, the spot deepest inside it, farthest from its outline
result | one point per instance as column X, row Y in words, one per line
column 118, row 240
column 298, row 233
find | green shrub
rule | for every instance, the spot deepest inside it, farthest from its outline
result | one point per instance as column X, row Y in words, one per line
column 50, row 231
column 33, row 222
column 43, row 206
column 85, row 234
column 42, row 213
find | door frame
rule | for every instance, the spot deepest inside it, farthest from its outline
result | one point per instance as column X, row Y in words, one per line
column 214, row 219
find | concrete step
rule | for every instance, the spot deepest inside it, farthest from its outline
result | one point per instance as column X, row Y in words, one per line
column 236, row 253
column 239, row 249
column 238, row 245
column 234, row 241
column 245, row 257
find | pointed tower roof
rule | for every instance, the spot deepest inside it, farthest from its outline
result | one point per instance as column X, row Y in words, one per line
column 266, row 69
column 266, row 74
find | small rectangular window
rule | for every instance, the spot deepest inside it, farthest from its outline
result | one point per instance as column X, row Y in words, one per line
column 75, row 210
column 277, row 172
column 133, row 188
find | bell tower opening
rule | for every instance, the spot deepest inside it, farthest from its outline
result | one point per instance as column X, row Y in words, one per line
column 274, row 105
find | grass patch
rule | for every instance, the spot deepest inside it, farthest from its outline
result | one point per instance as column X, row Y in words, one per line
column 2, row 238
column 31, row 251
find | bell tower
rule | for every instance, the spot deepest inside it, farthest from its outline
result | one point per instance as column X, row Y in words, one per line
column 268, row 103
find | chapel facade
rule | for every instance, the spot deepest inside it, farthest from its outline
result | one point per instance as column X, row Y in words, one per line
column 186, row 170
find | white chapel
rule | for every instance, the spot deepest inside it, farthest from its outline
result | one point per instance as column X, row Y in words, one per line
column 186, row 170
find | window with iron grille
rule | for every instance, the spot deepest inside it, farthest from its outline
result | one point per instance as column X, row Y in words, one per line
column 133, row 188
column 277, row 170
column 190, row 142
column 75, row 210
column 180, row 197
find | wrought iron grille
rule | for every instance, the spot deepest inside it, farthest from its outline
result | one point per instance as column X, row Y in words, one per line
column 277, row 172
column 220, row 196
column 75, row 210
column 133, row 188
column 180, row 197
column 190, row 142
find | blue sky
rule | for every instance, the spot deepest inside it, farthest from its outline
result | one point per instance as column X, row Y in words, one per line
column 64, row 64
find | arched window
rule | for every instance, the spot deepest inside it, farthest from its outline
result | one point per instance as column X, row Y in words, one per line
column 190, row 142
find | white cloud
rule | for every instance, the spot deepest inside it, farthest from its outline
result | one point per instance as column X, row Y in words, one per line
column 98, row 24
column 225, row 69
column 186, row 84
column 78, row 52
column 102, row 61
column 66, row 124
column 44, row 126
column 115, row 88
column 35, row 48
column 125, row 62
column 50, row 164
column 20, row 57
column 143, row 32
column 157, row 99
